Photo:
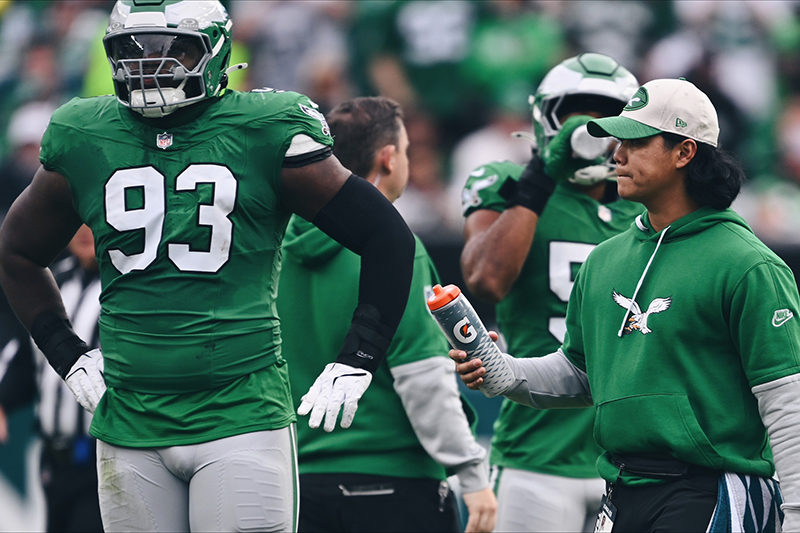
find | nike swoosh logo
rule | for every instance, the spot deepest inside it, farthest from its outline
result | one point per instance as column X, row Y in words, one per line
column 781, row 317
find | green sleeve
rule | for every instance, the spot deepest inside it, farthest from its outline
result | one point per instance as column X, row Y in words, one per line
column 573, row 339
column 765, row 324
column 482, row 190
column 55, row 142
column 304, row 117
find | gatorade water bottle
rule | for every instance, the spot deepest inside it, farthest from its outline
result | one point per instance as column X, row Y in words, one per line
column 465, row 331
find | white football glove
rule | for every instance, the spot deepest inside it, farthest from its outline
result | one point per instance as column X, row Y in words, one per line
column 338, row 384
column 85, row 380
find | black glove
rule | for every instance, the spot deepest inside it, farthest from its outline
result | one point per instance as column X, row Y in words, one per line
column 533, row 188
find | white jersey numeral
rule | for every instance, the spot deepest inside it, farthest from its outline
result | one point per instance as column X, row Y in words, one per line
column 214, row 215
column 562, row 256
column 150, row 217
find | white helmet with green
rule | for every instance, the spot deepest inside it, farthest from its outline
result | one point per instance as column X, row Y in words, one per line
column 581, row 84
column 167, row 54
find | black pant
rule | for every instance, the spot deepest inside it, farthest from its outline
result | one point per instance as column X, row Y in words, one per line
column 685, row 504
column 363, row 503
column 69, row 480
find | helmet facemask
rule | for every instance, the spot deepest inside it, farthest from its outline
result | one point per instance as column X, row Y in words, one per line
column 166, row 61
column 158, row 72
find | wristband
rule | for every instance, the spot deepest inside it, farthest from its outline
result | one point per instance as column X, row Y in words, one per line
column 534, row 187
column 367, row 340
column 58, row 342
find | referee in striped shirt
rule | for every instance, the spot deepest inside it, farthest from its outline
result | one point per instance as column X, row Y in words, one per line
column 68, row 462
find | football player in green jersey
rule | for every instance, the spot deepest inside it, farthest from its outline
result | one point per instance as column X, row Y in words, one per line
column 522, row 251
column 682, row 332
column 188, row 188
column 411, row 426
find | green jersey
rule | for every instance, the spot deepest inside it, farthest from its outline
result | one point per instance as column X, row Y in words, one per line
column 674, row 337
column 187, row 220
column 381, row 440
column 531, row 317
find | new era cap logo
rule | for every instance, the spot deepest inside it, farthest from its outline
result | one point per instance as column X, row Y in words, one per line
column 680, row 124
column 638, row 101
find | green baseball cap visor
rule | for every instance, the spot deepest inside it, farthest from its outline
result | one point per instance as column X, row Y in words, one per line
column 620, row 127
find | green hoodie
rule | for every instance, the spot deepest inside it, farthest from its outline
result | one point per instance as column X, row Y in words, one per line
column 713, row 316
column 381, row 440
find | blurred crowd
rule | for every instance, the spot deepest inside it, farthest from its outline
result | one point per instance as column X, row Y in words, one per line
column 462, row 70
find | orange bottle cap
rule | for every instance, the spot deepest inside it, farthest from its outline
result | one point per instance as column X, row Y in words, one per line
column 442, row 296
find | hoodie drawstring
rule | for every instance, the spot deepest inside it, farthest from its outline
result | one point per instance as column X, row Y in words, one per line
column 642, row 227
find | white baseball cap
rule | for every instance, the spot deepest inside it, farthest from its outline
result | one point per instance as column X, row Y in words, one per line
column 672, row 106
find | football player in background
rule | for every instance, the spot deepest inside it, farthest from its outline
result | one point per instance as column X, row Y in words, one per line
column 188, row 188
column 527, row 231
column 411, row 427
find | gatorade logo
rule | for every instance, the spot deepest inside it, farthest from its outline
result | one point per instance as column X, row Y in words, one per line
column 680, row 124
column 638, row 101
column 464, row 331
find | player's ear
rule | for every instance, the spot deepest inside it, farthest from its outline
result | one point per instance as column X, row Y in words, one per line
column 687, row 149
column 386, row 159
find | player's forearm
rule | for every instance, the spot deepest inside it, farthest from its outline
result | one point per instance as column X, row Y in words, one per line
column 30, row 288
column 780, row 411
column 429, row 392
column 362, row 219
column 494, row 255
column 549, row 382
column 34, row 296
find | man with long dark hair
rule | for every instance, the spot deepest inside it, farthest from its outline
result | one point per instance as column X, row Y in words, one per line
column 527, row 230
column 682, row 333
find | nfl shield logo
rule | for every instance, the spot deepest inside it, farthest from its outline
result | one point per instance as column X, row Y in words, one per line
column 164, row 140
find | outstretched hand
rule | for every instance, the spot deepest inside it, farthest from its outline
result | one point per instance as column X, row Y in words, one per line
column 471, row 372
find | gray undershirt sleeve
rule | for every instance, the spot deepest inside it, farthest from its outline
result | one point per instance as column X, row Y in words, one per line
column 429, row 392
column 779, row 406
column 549, row 382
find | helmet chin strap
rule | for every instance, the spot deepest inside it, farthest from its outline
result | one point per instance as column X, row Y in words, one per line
column 592, row 174
column 146, row 101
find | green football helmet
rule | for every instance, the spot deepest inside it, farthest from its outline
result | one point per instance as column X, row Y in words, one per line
column 167, row 54
column 584, row 83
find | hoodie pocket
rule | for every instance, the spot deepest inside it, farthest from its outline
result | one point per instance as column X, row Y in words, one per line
column 655, row 423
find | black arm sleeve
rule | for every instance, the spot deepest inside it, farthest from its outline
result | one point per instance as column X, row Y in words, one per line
column 362, row 219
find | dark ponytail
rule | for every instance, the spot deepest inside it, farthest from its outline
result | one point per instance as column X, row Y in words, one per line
column 713, row 176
